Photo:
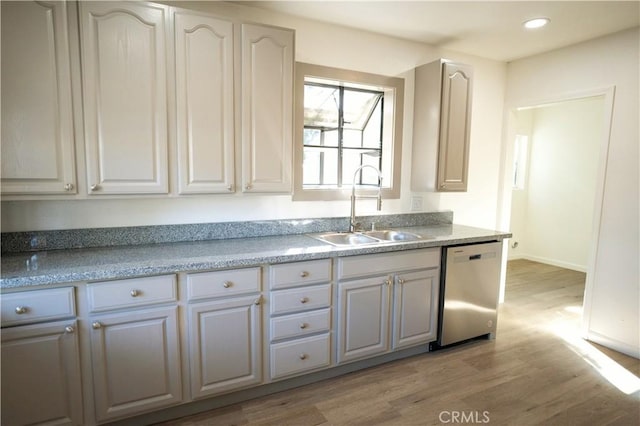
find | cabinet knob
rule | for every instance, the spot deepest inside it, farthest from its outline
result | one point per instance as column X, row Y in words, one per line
column 258, row 301
column 247, row 186
column 21, row 310
column 94, row 187
column 400, row 281
column 227, row 284
column 303, row 325
column 387, row 281
column 68, row 187
column 303, row 356
column 96, row 325
column 134, row 293
column 304, row 274
column 69, row 329
column 230, row 188
column 304, row 300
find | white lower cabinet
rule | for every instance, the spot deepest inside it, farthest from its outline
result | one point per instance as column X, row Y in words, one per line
column 41, row 375
column 300, row 318
column 41, row 379
column 137, row 337
column 225, row 331
column 415, row 307
column 368, row 320
column 364, row 318
column 300, row 355
column 224, row 343
column 135, row 354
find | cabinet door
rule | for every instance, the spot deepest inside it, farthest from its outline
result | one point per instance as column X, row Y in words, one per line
column 136, row 362
column 415, row 308
column 41, row 375
column 37, row 120
column 267, row 108
column 204, row 103
column 363, row 318
column 125, row 100
column 225, row 345
column 455, row 126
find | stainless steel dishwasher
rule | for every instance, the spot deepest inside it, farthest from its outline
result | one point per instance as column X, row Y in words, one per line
column 469, row 292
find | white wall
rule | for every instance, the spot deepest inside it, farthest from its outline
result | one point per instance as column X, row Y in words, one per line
column 552, row 216
column 612, row 296
column 325, row 45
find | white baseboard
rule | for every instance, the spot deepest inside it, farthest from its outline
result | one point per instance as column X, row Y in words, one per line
column 616, row 345
column 553, row 262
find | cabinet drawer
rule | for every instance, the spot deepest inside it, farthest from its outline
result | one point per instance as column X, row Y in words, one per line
column 300, row 273
column 375, row 264
column 109, row 295
column 38, row 305
column 296, row 325
column 300, row 355
column 300, row 299
column 204, row 285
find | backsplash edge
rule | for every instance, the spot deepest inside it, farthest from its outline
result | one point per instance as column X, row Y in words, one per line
column 29, row 241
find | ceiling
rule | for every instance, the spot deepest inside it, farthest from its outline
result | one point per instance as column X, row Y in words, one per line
column 491, row 29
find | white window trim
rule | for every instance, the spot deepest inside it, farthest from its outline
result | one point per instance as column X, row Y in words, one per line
column 394, row 104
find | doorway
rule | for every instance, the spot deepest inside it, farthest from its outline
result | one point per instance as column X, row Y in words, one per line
column 606, row 95
column 556, row 156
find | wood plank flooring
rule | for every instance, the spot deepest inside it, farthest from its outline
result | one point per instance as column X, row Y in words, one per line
column 529, row 375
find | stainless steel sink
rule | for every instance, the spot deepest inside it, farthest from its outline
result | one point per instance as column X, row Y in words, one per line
column 350, row 239
column 390, row 235
column 346, row 239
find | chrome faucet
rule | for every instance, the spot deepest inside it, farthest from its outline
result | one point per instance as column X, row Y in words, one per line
column 352, row 222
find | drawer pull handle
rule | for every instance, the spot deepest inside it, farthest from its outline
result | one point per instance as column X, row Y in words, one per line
column 21, row 310
column 303, row 356
column 69, row 329
column 96, row 325
column 304, row 274
column 135, row 293
column 304, row 325
column 304, row 300
column 227, row 284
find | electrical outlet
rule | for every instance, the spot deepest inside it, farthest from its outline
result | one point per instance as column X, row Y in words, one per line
column 416, row 204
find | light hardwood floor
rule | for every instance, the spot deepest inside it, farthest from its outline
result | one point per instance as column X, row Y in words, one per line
column 529, row 375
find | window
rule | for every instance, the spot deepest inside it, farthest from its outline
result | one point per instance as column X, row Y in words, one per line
column 346, row 119
column 520, row 161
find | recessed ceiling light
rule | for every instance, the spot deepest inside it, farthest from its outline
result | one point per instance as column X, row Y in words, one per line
column 536, row 23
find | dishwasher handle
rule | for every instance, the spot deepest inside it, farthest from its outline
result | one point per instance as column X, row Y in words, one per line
column 466, row 257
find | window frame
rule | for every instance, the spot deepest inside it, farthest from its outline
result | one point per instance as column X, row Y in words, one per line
column 393, row 88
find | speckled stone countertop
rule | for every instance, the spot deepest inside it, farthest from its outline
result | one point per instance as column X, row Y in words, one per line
column 37, row 268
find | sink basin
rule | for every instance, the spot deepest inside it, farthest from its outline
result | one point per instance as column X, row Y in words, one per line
column 347, row 239
column 350, row 239
column 390, row 235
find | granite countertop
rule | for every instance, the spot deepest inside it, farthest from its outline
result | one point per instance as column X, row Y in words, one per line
column 29, row 269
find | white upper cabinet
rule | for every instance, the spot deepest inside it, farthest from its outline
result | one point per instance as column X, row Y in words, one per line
column 204, row 103
column 267, row 108
column 144, row 78
column 441, row 126
column 125, row 96
column 37, row 117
